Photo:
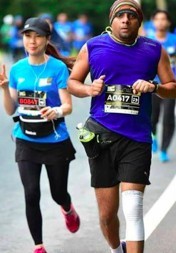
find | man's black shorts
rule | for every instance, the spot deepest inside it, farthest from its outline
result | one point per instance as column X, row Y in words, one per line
column 123, row 161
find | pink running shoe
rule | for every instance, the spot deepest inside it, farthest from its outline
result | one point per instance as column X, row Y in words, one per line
column 40, row 250
column 72, row 219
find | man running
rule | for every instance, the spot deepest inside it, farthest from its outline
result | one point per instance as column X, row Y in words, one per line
column 122, row 66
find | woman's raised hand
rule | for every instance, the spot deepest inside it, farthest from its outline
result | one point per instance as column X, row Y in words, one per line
column 3, row 77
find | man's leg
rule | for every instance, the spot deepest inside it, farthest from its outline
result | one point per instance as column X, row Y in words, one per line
column 168, row 123
column 108, row 204
column 156, row 108
column 132, row 201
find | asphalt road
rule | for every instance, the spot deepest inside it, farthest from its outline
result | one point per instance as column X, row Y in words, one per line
column 14, row 234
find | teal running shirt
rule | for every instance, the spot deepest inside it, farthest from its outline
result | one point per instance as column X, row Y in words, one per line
column 48, row 78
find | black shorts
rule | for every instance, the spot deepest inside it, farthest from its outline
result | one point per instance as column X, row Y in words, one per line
column 44, row 153
column 124, row 160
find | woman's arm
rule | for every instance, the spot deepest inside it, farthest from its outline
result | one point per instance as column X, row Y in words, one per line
column 66, row 102
column 59, row 111
column 9, row 94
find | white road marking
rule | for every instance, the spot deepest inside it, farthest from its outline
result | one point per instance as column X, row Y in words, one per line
column 160, row 208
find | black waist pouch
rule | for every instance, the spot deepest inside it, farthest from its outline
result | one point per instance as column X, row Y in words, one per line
column 104, row 137
column 36, row 128
column 91, row 146
column 98, row 138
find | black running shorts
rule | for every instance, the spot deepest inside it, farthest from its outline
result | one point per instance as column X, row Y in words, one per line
column 44, row 153
column 123, row 161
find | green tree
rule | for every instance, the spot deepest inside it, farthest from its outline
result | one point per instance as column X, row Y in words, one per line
column 97, row 10
column 161, row 4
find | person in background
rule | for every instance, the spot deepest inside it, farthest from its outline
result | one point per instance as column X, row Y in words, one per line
column 162, row 23
column 16, row 41
column 55, row 38
column 148, row 28
column 122, row 68
column 5, row 32
column 37, row 90
column 63, row 28
column 82, row 31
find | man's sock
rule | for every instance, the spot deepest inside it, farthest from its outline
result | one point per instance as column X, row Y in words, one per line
column 118, row 250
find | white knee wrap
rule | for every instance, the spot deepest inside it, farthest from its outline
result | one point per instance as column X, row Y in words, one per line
column 132, row 205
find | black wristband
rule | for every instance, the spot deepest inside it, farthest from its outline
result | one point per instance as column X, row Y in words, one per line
column 156, row 85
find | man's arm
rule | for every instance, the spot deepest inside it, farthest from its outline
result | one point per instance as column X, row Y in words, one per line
column 78, row 75
column 168, row 81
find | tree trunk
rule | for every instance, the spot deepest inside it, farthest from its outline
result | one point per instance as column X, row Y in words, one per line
column 161, row 4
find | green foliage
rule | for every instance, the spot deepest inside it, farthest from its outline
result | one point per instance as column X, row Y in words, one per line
column 98, row 10
column 149, row 6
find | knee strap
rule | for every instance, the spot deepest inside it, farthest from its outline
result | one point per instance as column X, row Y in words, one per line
column 132, row 205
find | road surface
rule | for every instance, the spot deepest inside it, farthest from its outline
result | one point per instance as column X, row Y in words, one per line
column 159, row 203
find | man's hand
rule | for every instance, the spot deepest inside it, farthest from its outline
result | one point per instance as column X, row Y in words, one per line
column 97, row 86
column 142, row 86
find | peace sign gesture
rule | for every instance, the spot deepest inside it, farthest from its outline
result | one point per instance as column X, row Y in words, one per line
column 3, row 78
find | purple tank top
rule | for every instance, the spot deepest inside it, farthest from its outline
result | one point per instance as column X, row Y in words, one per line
column 120, row 111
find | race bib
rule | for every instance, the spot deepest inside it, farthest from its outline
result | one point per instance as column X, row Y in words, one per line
column 120, row 99
column 32, row 99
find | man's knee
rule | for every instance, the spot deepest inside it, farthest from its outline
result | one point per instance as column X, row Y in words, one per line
column 108, row 204
column 132, row 204
column 107, row 218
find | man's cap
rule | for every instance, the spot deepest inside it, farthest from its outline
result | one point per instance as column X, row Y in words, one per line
column 118, row 3
column 38, row 25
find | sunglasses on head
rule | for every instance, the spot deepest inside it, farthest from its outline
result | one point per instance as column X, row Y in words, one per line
column 119, row 13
